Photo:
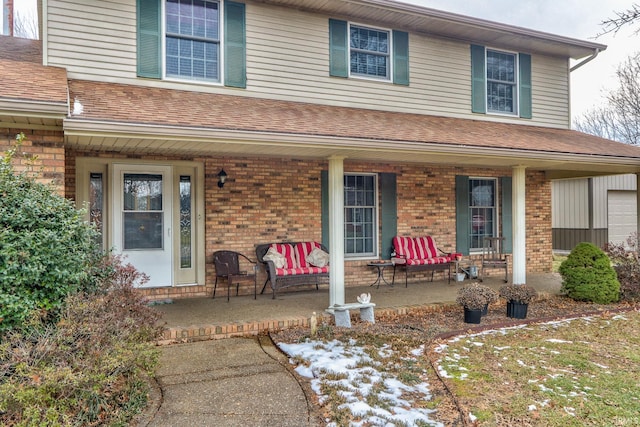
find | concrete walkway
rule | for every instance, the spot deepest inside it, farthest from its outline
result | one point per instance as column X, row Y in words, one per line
column 246, row 381
column 232, row 382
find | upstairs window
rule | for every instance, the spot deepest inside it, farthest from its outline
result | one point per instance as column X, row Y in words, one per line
column 360, row 51
column 192, row 39
column 182, row 39
column 369, row 52
column 501, row 82
column 502, row 89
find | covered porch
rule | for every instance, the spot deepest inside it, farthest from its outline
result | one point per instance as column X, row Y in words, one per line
column 196, row 319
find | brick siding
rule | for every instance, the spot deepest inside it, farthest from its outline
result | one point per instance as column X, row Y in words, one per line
column 267, row 200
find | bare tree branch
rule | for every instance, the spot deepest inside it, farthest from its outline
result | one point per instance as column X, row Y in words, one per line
column 619, row 118
column 26, row 26
column 627, row 17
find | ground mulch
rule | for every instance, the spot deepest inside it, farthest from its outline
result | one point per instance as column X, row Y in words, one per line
column 429, row 325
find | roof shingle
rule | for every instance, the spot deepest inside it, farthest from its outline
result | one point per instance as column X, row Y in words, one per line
column 148, row 105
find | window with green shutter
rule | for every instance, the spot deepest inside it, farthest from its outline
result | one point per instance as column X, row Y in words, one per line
column 477, row 212
column 194, row 49
column 362, row 213
column 500, row 82
column 367, row 52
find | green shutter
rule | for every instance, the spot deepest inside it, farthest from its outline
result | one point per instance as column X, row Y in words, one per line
column 324, row 208
column 400, row 58
column 338, row 48
column 462, row 214
column 235, row 62
column 149, row 38
column 525, row 86
column 507, row 218
column 388, row 213
column 478, row 80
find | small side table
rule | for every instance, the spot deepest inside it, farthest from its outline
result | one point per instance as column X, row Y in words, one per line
column 380, row 266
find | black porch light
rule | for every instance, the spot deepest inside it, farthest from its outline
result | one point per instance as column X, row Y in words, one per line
column 222, row 177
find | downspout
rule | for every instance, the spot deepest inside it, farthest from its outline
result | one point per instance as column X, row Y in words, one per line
column 591, row 58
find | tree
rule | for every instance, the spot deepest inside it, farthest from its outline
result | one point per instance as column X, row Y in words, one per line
column 626, row 17
column 619, row 117
column 26, row 26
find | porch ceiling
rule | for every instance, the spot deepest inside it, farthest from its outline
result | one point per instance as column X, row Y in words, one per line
column 233, row 143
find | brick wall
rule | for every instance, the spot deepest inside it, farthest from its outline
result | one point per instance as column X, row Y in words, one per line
column 267, row 200
column 41, row 154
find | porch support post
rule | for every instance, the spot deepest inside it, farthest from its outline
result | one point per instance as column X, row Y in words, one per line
column 336, row 230
column 519, row 233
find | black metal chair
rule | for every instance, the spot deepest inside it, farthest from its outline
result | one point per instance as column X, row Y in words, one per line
column 228, row 265
column 494, row 257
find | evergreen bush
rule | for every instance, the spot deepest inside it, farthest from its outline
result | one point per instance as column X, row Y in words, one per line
column 46, row 248
column 587, row 275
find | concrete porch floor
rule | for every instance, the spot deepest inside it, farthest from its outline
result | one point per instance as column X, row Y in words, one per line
column 197, row 319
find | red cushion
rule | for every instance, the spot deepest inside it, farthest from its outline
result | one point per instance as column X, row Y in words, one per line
column 297, row 271
column 303, row 249
column 405, row 247
column 417, row 248
column 429, row 261
column 286, row 249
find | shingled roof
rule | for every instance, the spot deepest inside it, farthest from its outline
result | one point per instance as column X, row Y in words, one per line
column 130, row 104
column 24, row 78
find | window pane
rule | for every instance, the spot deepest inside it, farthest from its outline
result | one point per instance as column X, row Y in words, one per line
column 482, row 211
column 143, row 230
column 359, row 214
column 142, row 192
column 185, row 221
column 192, row 39
column 96, row 211
column 369, row 52
column 501, row 82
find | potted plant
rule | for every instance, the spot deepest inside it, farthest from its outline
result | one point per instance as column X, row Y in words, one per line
column 475, row 298
column 518, row 298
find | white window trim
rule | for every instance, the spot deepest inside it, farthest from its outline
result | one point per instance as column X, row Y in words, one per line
column 516, row 101
column 221, row 53
column 376, row 233
column 389, row 79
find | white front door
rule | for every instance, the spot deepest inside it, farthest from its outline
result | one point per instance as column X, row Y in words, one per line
column 142, row 219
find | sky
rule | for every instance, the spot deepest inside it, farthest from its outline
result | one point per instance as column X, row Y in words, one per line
column 571, row 18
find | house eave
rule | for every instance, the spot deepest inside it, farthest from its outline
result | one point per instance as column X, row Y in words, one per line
column 448, row 25
column 33, row 115
column 171, row 140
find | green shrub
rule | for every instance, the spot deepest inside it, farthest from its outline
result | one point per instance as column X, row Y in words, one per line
column 46, row 247
column 90, row 367
column 587, row 275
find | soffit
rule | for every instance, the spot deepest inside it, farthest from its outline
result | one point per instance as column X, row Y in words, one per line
column 447, row 25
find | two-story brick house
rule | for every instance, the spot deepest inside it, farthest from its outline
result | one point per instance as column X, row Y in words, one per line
column 342, row 121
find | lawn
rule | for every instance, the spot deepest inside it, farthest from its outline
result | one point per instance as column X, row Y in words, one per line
column 576, row 372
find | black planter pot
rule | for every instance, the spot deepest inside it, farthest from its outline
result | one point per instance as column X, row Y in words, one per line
column 472, row 316
column 517, row 310
column 485, row 310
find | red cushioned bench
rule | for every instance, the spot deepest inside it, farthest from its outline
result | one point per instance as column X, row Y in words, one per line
column 291, row 266
column 420, row 254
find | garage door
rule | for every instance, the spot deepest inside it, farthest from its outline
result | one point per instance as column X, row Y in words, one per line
column 622, row 215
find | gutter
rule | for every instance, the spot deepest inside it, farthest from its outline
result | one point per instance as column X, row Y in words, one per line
column 595, row 53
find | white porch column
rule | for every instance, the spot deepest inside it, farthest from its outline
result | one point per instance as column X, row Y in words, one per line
column 336, row 230
column 518, row 198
